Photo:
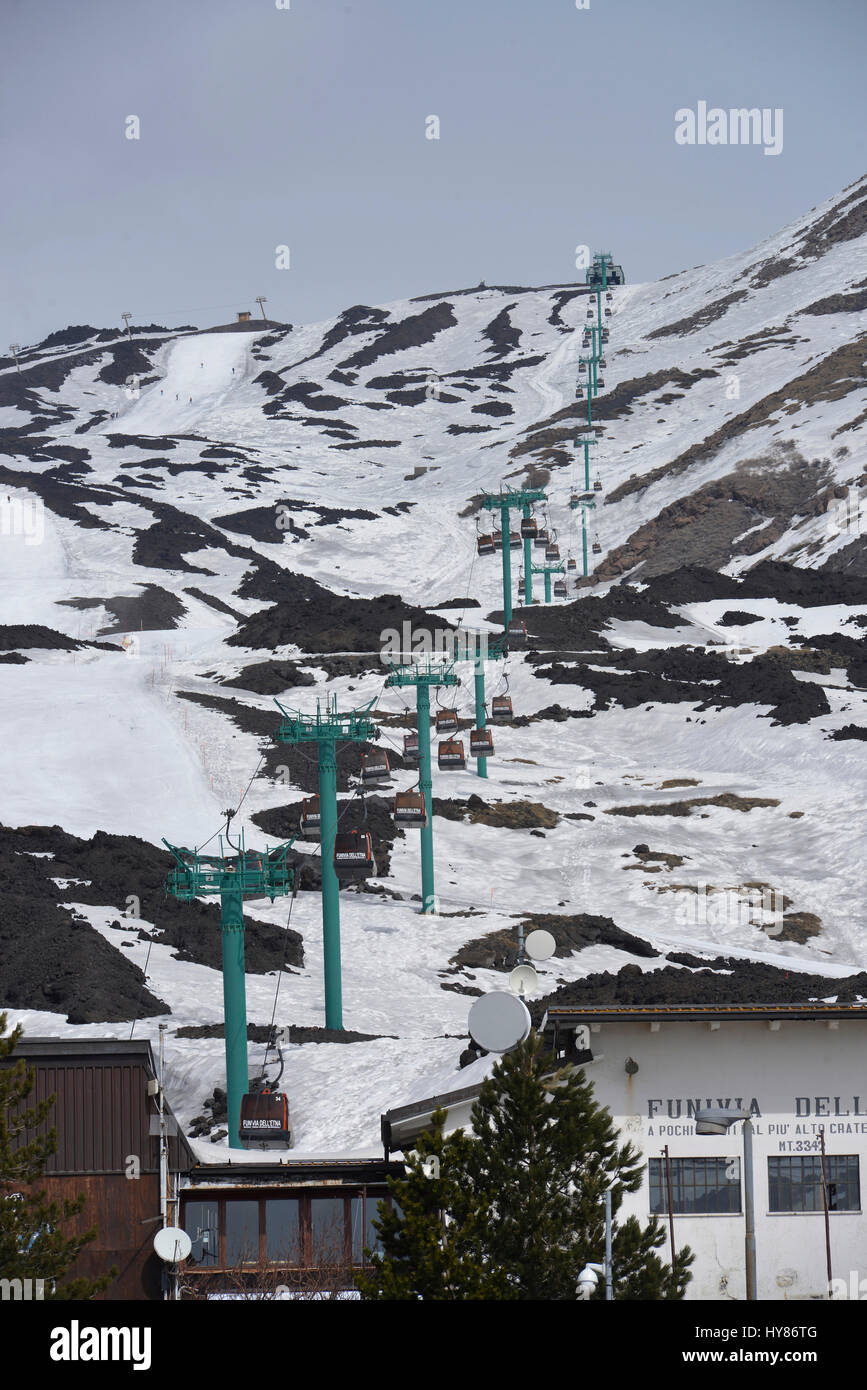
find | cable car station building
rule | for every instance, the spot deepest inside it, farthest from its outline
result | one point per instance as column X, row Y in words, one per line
column 799, row 1069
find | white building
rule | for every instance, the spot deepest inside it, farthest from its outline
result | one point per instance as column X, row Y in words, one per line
column 800, row 1069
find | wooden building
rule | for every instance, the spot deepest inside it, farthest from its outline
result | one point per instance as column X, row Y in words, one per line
column 106, row 1114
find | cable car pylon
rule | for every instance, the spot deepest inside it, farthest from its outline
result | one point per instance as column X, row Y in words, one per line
column 495, row 650
column 547, row 571
column 327, row 728
column 504, row 501
column 423, row 676
column 232, row 876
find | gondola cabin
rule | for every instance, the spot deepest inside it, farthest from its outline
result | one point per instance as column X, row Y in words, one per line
column 609, row 296
column 485, row 545
column 410, row 748
column 571, row 563
column 597, row 485
column 529, row 528
column 589, row 313
column 579, row 392
column 311, row 818
column 498, row 540
column 409, row 808
column 501, row 708
column 552, row 552
column 514, row 540
column 265, row 1119
column 582, row 367
column 541, row 540
column 482, row 743
column 375, row 770
column 447, row 721
column 602, row 362
column 608, row 313
column 597, row 548
column 600, row 382
column 560, row 588
column 450, row 755
column 517, row 630
column 353, row 855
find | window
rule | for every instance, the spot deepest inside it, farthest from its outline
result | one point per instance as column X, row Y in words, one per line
column 201, row 1224
column 364, row 1211
column 242, row 1233
column 795, row 1183
column 327, row 1229
column 304, row 1230
column 283, row 1230
column 699, row 1186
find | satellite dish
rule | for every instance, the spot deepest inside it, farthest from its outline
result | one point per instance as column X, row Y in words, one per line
column 172, row 1244
column 499, row 1021
column 523, row 980
column 539, row 945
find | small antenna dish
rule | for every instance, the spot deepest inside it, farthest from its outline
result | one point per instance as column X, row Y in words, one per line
column 523, row 980
column 539, row 945
column 172, row 1244
column 499, row 1021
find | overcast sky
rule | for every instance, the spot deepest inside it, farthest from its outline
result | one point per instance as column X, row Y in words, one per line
column 305, row 127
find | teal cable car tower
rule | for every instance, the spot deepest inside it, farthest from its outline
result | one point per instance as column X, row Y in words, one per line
column 326, row 729
column 232, row 876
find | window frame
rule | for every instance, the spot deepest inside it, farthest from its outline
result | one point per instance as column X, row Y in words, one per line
column 656, row 1177
column 816, row 1160
column 370, row 1197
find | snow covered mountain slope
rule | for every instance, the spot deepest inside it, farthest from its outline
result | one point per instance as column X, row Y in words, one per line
column 194, row 522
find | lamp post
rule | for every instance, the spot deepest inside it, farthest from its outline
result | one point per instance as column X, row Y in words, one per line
column 719, row 1120
column 588, row 1279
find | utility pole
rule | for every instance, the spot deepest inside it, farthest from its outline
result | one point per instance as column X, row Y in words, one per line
column 232, row 877
column 423, row 677
column 126, row 318
column 262, row 301
column 326, row 729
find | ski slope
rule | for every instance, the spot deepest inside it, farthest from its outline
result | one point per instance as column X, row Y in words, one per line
column 380, row 478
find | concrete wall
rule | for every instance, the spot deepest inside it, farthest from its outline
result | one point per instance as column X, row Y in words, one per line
column 797, row 1076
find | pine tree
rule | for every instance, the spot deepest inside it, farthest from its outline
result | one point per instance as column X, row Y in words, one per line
column 32, row 1245
column 518, row 1209
column 424, row 1256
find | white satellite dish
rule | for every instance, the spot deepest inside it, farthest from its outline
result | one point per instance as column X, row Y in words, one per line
column 539, row 945
column 172, row 1244
column 499, row 1021
column 523, row 980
